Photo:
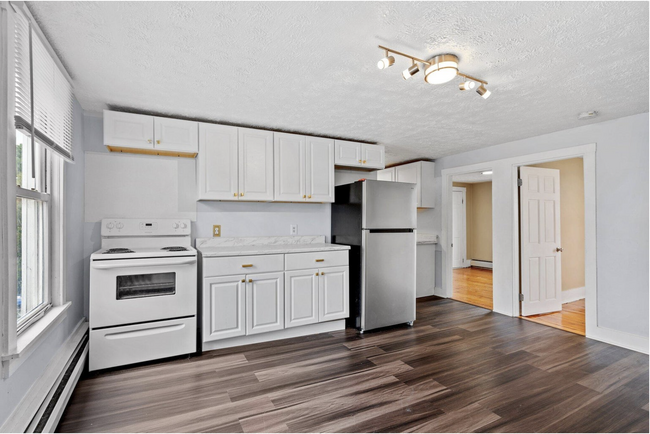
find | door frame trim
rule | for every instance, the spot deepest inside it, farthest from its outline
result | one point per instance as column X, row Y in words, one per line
column 506, row 261
column 464, row 191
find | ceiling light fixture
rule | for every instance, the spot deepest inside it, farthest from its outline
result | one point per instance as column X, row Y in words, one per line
column 487, row 172
column 467, row 85
column 440, row 69
column 411, row 71
column 587, row 115
column 386, row 61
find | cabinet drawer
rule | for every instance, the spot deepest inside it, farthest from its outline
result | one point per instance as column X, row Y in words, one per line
column 302, row 261
column 242, row 265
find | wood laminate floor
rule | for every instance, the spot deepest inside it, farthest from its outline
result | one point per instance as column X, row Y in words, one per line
column 474, row 286
column 461, row 368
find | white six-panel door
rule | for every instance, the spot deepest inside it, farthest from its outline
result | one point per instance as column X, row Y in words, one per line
column 224, row 307
column 333, row 302
column 218, row 163
column 541, row 266
column 320, row 169
column 290, row 170
column 459, row 226
column 301, row 298
column 265, row 302
column 255, row 164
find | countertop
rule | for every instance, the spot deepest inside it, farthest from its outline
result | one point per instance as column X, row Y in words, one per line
column 215, row 247
column 427, row 238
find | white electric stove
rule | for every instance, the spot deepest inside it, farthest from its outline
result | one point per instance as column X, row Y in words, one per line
column 143, row 292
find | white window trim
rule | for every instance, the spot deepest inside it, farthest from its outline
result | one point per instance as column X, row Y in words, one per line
column 14, row 349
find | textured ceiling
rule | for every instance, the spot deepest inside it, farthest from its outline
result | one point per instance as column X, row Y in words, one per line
column 472, row 178
column 311, row 66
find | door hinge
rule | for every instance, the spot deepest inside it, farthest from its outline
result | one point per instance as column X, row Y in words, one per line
column 521, row 297
column 520, row 182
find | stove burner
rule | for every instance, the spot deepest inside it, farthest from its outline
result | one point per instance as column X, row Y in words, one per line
column 174, row 249
column 118, row 250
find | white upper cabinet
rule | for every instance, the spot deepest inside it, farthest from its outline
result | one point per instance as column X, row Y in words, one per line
column 128, row 130
column 218, row 173
column 320, row 169
column 255, row 164
column 176, row 135
column 420, row 173
column 354, row 154
column 290, row 167
column 304, row 168
column 386, row 174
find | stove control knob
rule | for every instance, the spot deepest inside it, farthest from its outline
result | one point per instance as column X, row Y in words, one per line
column 119, row 225
column 175, row 225
column 184, row 225
column 109, row 225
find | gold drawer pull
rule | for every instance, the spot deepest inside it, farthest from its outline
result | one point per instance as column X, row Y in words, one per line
column 320, row 260
column 246, row 265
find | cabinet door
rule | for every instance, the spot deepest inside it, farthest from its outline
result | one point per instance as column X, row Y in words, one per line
column 264, row 302
column 176, row 135
column 217, row 162
column 223, row 307
column 347, row 153
column 372, row 156
column 386, row 174
column 410, row 173
column 128, row 130
column 255, row 164
column 320, row 169
column 300, row 297
column 427, row 193
column 333, row 294
column 289, row 162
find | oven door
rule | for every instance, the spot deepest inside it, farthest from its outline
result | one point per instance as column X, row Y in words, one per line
column 129, row 291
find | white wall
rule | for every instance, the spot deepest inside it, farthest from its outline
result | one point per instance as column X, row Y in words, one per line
column 14, row 388
column 621, row 206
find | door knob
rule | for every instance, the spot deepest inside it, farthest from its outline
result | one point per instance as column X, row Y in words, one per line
column 559, row 249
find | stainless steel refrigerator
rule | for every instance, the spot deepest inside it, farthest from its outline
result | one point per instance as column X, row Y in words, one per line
column 377, row 219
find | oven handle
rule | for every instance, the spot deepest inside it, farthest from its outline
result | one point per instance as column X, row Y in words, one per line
column 107, row 265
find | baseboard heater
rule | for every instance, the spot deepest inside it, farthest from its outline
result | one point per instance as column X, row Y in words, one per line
column 481, row 264
column 48, row 416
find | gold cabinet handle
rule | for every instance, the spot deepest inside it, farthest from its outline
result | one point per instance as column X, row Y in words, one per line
column 250, row 280
column 149, row 140
column 158, row 142
column 320, row 260
column 243, row 280
column 241, row 194
column 246, row 265
column 309, row 197
column 234, row 194
column 304, row 196
column 317, row 273
column 364, row 161
column 359, row 161
column 322, row 273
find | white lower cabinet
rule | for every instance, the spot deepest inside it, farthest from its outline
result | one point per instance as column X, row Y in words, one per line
column 265, row 303
column 280, row 291
column 224, row 307
column 333, row 290
column 301, row 297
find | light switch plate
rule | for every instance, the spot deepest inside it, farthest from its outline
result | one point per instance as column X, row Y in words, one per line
column 216, row 230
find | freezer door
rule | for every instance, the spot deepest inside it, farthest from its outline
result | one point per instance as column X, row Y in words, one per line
column 388, row 279
column 389, row 205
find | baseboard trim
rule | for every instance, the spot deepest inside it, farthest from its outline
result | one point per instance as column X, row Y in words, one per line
column 619, row 338
column 30, row 405
column 437, row 291
column 292, row 332
column 481, row 264
column 573, row 294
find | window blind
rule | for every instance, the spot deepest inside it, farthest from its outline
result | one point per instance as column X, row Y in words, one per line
column 44, row 97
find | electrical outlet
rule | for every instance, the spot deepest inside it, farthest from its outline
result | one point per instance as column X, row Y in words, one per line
column 216, row 230
column 293, row 230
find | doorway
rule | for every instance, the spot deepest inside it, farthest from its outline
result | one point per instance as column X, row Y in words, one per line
column 472, row 238
column 552, row 244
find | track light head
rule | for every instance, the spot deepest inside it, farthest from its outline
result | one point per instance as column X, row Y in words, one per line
column 485, row 94
column 386, row 61
column 468, row 85
column 411, row 71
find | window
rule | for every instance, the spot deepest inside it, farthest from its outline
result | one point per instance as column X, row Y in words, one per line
column 43, row 131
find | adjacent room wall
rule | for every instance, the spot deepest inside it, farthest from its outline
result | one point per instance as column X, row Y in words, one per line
column 478, row 220
column 14, row 388
column 622, row 201
column 572, row 221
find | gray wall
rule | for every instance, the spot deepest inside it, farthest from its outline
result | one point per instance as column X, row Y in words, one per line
column 621, row 206
column 14, row 388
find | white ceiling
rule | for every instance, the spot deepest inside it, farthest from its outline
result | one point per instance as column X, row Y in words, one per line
column 311, row 66
column 472, row 178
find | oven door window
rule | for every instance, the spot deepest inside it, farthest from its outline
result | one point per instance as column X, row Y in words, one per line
column 145, row 285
